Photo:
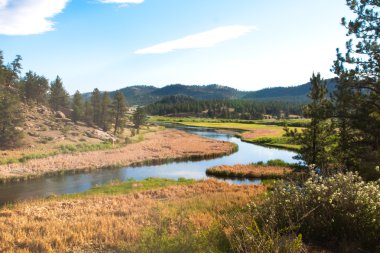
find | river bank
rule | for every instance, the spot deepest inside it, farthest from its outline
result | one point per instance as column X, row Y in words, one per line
column 167, row 145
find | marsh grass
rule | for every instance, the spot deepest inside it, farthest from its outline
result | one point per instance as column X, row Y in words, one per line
column 267, row 133
column 250, row 171
column 157, row 216
column 157, row 148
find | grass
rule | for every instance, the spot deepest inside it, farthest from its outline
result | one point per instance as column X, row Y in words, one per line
column 157, row 147
column 71, row 148
column 153, row 215
column 130, row 186
column 276, row 142
column 249, row 171
column 261, row 132
column 63, row 149
column 275, row 122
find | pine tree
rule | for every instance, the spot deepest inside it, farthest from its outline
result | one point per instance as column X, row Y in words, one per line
column 78, row 108
column 11, row 115
column 35, row 88
column 59, row 98
column 118, row 110
column 105, row 114
column 139, row 118
column 11, row 119
column 96, row 106
column 88, row 113
column 359, row 87
column 316, row 140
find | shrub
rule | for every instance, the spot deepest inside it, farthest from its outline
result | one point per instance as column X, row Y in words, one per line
column 340, row 210
column 247, row 234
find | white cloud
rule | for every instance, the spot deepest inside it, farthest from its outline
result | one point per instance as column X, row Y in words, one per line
column 199, row 40
column 122, row 1
column 25, row 17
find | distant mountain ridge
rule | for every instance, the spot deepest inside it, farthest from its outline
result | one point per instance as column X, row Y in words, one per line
column 145, row 94
column 287, row 93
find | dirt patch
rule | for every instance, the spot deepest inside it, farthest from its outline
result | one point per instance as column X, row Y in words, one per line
column 157, row 146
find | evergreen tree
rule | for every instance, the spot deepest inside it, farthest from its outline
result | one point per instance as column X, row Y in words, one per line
column 139, row 118
column 316, row 140
column 96, row 106
column 34, row 88
column 105, row 114
column 359, row 94
column 78, row 108
column 11, row 119
column 11, row 116
column 118, row 110
column 59, row 98
column 88, row 113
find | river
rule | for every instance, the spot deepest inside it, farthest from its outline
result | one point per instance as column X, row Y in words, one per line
column 80, row 182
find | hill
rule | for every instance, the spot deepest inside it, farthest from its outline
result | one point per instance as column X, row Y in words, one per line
column 144, row 95
column 292, row 93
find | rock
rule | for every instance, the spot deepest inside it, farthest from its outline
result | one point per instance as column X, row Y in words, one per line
column 60, row 115
column 43, row 110
column 97, row 134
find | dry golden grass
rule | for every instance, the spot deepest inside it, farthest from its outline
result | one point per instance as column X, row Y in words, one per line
column 107, row 223
column 168, row 144
column 262, row 132
column 249, row 171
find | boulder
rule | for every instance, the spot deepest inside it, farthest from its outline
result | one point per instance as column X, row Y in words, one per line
column 43, row 110
column 101, row 135
column 60, row 115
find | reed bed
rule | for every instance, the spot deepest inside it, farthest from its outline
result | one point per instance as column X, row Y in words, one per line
column 119, row 222
column 162, row 146
column 249, row 171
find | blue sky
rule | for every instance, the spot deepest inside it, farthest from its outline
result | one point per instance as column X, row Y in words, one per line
column 110, row 44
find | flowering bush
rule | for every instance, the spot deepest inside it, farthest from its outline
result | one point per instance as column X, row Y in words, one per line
column 341, row 210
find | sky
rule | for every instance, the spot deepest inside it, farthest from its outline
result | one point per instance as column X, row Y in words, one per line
column 111, row 44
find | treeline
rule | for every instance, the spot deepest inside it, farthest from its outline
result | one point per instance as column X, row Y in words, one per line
column 229, row 109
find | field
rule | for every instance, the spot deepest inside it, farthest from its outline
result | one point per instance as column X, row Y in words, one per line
column 158, row 146
column 249, row 171
column 264, row 132
column 154, row 215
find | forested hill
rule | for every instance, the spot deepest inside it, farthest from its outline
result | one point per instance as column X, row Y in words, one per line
column 294, row 93
column 143, row 95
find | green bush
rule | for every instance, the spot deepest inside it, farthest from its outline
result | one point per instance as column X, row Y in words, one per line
column 341, row 210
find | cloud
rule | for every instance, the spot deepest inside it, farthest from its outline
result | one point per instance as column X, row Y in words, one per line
column 25, row 17
column 121, row 1
column 199, row 40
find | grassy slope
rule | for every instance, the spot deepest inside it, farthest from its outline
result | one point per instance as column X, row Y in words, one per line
column 69, row 146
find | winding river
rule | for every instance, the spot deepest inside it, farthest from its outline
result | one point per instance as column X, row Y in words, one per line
column 73, row 183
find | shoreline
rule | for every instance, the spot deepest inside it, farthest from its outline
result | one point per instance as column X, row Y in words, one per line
column 157, row 148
